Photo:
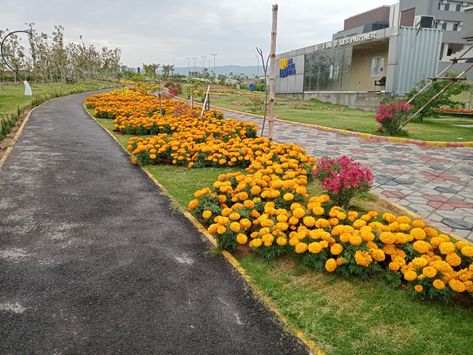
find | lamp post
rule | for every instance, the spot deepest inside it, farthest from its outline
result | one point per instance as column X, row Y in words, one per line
column 195, row 59
column 188, row 65
column 214, row 55
column 28, row 91
column 203, row 61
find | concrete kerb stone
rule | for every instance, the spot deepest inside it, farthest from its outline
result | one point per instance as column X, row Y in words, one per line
column 267, row 302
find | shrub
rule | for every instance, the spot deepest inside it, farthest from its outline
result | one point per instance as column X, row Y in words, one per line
column 343, row 178
column 392, row 115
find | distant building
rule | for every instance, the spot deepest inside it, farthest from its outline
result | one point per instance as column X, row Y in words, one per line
column 385, row 50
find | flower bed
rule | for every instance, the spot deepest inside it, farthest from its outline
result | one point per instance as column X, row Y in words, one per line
column 268, row 209
column 454, row 110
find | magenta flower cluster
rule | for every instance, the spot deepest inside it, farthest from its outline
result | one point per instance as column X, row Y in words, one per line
column 391, row 116
column 391, row 110
column 343, row 177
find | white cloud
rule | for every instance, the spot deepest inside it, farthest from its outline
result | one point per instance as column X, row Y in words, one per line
column 166, row 31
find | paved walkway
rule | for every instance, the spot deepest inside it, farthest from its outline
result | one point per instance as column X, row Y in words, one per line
column 93, row 260
column 436, row 183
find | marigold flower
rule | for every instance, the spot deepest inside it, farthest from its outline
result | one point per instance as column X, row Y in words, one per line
column 331, row 265
column 421, row 246
column 241, row 238
column 315, row 247
column 438, row 284
column 447, row 247
column 457, row 286
column 300, row 247
column 467, row 251
column 429, row 271
column 419, row 288
column 207, row 214
column 336, row 249
column 410, row 275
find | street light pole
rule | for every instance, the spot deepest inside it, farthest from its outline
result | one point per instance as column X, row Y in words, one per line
column 195, row 59
column 203, row 61
column 28, row 91
column 188, row 65
column 214, row 55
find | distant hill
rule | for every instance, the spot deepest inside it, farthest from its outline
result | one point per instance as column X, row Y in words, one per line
column 224, row 69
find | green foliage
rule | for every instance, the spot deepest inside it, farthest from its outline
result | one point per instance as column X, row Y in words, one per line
column 444, row 99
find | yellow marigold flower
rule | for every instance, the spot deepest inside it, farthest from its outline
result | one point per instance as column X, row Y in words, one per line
column 315, row 248
column 249, row 204
column 394, row 266
column 456, row 285
column 288, row 196
column 318, row 211
column 359, row 223
column 438, row 284
column 418, row 223
column 418, row 233
column 221, row 229
column 435, row 241
column 421, row 246
column 245, row 223
column 378, row 254
column 419, row 262
column 389, row 217
column 309, row 221
column 331, row 265
column 373, row 214
column 256, row 243
column 341, row 216
column 340, row 260
column 453, row 259
column 234, row 216
column 447, row 247
column 193, row 204
column 235, row 227
column 301, row 248
column 207, row 214
column 431, row 232
column 467, row 251
column 363, row 258
column 281, row 241
column 298, row 212
column 212, row 228
column 355, row 239
column 241, row 238
column 404, row 227
column 282, row 218
column 387, row 237
column 403, row 219
column 152, row 156
column 322, row 223
column 293, row 241
column 419, row 288
column 226, row 212
column 429, row 271
column 336, row 249
column 345, row 237
column 410, row 275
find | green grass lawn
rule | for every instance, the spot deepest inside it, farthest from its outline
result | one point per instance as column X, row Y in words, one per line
column 12, row 95
column 343, row 117
column 342, row 316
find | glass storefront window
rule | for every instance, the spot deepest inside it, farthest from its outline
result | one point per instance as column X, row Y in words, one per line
column 328, row 70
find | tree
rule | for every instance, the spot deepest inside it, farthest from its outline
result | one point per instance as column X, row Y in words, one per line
column 445, row 99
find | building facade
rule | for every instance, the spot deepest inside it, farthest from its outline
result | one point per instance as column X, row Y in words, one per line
column 385, row 50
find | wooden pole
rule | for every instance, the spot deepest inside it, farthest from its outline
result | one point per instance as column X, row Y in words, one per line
column 272, row 78
column 205, row 101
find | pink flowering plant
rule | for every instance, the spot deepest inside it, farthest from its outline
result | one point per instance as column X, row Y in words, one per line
column 343, row 178
column 391, row 116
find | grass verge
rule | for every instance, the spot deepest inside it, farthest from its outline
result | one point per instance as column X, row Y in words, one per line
column 315, row 112
column 341, row 316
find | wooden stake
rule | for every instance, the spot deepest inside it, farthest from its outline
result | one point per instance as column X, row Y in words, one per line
column 272, row 77
column 205, row 101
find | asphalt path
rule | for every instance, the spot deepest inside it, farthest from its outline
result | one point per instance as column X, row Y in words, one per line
column 93, row 259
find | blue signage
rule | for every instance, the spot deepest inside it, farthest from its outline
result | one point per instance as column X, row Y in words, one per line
column 286, row 67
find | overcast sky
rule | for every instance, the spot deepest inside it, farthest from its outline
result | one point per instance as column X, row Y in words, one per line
column 167, row 32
